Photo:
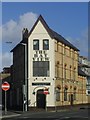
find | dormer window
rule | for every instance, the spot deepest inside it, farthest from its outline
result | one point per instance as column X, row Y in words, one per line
column 45, row 44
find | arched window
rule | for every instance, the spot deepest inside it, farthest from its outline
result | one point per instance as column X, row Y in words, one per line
column 65, row 71
column 57, row 93
column 74, row 73
column 70, row 71
column 74, row 93
column 65, row 93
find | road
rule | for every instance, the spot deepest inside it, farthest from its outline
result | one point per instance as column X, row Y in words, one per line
column 81, row 114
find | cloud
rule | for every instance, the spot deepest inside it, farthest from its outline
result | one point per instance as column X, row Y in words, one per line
column 6, row 59
column 12, row 30
column 81, row 42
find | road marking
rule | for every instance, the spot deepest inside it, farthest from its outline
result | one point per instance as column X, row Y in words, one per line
column 53, row 116
column 66, row 117
column 24, row 117
column 8, row 116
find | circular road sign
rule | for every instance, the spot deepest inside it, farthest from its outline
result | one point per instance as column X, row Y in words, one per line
column 5, row 86
column 46, row 92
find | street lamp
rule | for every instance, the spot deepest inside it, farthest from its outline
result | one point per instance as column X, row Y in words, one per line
column 9, row 43
column 25, row 100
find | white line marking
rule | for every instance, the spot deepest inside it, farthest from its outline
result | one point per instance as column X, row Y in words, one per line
column 8, row 116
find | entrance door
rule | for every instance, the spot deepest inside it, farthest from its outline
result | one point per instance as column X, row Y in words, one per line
column 41, row 99
column 71, row 99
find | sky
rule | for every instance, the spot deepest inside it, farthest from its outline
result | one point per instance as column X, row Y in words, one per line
column 45, row 0
column 69, row 19
column 0, row 36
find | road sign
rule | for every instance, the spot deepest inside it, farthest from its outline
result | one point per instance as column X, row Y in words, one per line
column 5, row 86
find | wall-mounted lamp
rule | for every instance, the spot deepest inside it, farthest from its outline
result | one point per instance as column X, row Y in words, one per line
column 33, row 93
column 54, row 78
column 35, row 79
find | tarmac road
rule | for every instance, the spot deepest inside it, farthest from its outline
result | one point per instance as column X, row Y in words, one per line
column 80, row 114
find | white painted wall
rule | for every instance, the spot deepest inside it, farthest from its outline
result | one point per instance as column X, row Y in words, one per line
column 40, row 33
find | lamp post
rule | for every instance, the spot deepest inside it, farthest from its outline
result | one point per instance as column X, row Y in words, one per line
column 9, row 43
column 25, row 100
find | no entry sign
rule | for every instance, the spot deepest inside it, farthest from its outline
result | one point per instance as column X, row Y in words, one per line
column 5, row 86
column 46, row 92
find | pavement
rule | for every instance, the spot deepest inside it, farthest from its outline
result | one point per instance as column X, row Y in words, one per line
column 9, row 114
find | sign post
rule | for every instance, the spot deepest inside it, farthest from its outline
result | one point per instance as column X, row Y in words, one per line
column 5, row 103
column 5, row 86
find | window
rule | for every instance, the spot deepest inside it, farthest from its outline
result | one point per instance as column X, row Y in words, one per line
column 74, row 94
column 35, row 44
column 57, row 71
column 70, row 52
column 89, row 92
column 57, row 68
column 57, row 94
column 41, row 68
column 74, row 73
column 65, row 71
column 64, row 50
column 65, row 94
column 70, row 71
column 45, row 44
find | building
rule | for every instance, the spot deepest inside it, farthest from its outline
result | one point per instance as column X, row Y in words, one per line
column 45, row 69
column 5, row 76
column 82, row 81
column 84, row 65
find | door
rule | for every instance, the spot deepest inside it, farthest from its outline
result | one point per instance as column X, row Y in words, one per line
column 41, row 99
column 71, row 99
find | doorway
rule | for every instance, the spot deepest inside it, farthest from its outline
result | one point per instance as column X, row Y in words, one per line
column 71, row 99
column 40, row 99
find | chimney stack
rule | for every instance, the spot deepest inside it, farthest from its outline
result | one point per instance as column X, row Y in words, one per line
column 24, row 33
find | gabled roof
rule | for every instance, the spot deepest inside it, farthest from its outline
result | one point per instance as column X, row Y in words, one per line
column 80, row 72
column 52, row 34
column 84, row 65
column 61, row 39
column 40, row 18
